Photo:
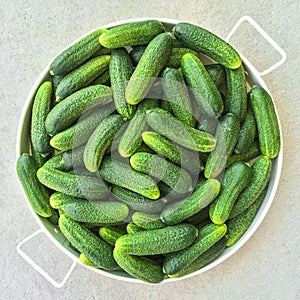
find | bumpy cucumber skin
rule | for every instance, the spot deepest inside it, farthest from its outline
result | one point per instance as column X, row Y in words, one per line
column 103, row 79
column 38, row 157
column 236, row 96
column 73, row 159
column 132, row 137
column 147, row 221
column 100, row 140
column 87, row 262
column 148, row 68
column 40, row 109
column 204, row 41
column 57, row 200
column 207, row 237
column 165, row 124
column 236, row 178
column 178, row 179
column 131, row 34
column 176, row 93
column 77, row 186
column 132, row 228
column 82, row 76
column 158, row 241
column 64, row 114
column 217, row 73
column 56, row 162
column 199, row 199
column 136, row 53
column 77, row 54
column 121, row 174
column 227, row 135
column 237, row 226
column 266, row 120
column 206, row 93
column 261, row 175
column 95, row 249
column 136, row 201
column 120, row 71
column 36, row 193
column 79, row 133
column 110, row 234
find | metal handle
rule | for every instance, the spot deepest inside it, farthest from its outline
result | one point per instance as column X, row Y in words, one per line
column 264, row 35
column 37, row 267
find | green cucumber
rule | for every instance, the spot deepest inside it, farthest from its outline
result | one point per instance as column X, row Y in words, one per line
column 103, row 79
column 217, row 73
column 207, row 237
column 121, row 174
column 236, row 96
column 120, row 71
column 199, row 217
column 36, row 193
column 110, row 234
column 144, row 148
column 204, row 41
column 237, row 226
column 236, row 178
column 56, row 79
column 136, row 201
column 132, row 228
column 266, row 120
column 227, row 135
column 168, row 194
column 56, row 162
column 87, row 262
column 76, row 54
column 261, row 175
column 57, row 200
column 40, row 109
column 199, row 199
column 38, row 157
column 131, row 34
column 132, row 137
column 165, row 124
column 100, row 140
column 81, row 77
column 158, row 241
column 207, row 124
column 73, row 159
column 147, row 221
column 153, row 165
column 136, row 54
column 148, row 68
column 65, row 113
column 77, row 186
column 206, row 93
column 79, row 133
column 95, row 249
column 54, row 217
column 176, row 93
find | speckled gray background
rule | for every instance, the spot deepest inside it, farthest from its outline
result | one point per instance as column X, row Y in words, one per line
column 32, row 32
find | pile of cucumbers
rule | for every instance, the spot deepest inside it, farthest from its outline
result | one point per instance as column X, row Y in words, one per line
column 148, row 160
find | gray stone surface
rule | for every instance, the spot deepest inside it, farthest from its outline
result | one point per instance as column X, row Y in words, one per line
column 32, row 32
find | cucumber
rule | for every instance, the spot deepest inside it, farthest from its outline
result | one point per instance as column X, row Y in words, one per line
column 147, row 221
column 199, row 199
column 207, row 124
column 87, row 262
column 64, row 114
column 177, row 94
column 110, row 234
column 73, row 159
column 188, row 160
column 56, row 79
column 247, row 133
column 236, row 178
column 144, row 148
column 168, row 194
column 217, row 73
column 199, row 217
column 266, row 120
column 100, row 140
column 204, row 259
column 40, row 159
column 207, row 237
column 227, row 135
column 204, row 41
column 206, row 93
column 139, row 267
column 148, row 68
column 77, row 186
column 132, row 228
column 36, row 193
column 158, row 241
column 95, row 249
column 81, row 77
column 132, row 137
column 121, row 174
column 120, row 71
column 40, row 109
column 54, row 217
column 103, row 79
column 57, row 200
column 77, row 54
column 237, row 226
column 137, row 202
column 236, row 96
column 136, row 54
column 56, row 162
column 165, row 124
column 79, row 133
column 261, row 174
column 131, row 34
column 155, row 166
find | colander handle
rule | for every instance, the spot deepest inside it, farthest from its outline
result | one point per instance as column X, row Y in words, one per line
column 39, row 268
column 264, row 35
